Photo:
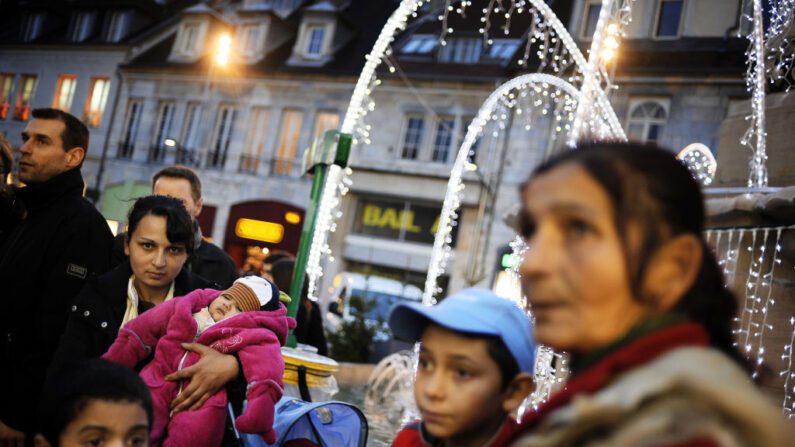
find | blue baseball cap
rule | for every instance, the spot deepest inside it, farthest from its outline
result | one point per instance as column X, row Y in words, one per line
column 471, row 311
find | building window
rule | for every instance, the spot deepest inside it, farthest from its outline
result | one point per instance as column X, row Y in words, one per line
column 419, row 44
column 27, row 88
column 33, row 26
column 258, row 132
column 186, row 152
column 288, row 141
column 131, row 123
column 64, row 92
column 284, row 5
column 591, row 18
column 193, row 122
column 443, row 140
column 503, row 49
column 462, row 50
column 324, row 121
column 250, row 39
column 6, row 88
column 82, row 26
column 189, row 39
column 646, row 121
column 165, row 118
column 117, row 26
column 314, row 46
column 96, row 100
column 224, row 126
column 669, row 16
column 473, row 150
column 415, row 127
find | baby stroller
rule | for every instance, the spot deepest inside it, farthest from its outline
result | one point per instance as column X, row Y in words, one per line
column 308, row 424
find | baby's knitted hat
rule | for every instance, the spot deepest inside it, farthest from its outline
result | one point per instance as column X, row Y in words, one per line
column 253, row 293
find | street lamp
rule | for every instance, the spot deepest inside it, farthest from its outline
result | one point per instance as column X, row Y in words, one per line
column 224, row 46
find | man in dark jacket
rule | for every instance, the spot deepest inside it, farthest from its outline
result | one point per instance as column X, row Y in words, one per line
column 208, row 261
column 45, row 259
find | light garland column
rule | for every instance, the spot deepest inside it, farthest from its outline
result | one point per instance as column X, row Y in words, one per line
column 757, row 177
column 353, row 116
column 589, row 75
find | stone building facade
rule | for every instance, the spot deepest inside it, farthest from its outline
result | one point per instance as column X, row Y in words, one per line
column 291, row 71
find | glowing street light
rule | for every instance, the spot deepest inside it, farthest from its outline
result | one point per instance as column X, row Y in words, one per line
column 170, row 142
column 224, row 46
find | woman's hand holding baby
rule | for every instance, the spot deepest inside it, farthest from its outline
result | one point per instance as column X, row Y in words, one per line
column 211, row 373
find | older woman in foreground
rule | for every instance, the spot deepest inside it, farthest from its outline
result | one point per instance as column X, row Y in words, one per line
column 617, row 274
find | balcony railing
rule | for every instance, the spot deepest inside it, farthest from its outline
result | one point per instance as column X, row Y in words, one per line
column 157, row 154
column 125, row 149
column 249, row 163
column 188, row 157
column 289, row 167
column 216, row 159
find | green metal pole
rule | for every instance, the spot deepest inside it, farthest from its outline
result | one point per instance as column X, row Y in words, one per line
column 341, row 153
column 303, row 247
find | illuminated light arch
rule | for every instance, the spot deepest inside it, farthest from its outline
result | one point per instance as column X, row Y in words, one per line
column 338, row 181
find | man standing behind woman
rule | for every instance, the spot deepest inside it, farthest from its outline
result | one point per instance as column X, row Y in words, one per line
column 56, row 241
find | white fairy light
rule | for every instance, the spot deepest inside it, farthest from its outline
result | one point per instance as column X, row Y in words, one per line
column 334, row 185
column 455, row 186
column 789, row 394
column 700, row 162
column 779, row 42
column 755, row 82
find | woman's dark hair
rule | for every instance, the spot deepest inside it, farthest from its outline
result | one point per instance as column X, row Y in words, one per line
column 650, row 188
column 282, row 273
column 179, row 225
column 69, row 390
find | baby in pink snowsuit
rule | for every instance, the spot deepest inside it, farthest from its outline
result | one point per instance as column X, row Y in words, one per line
column 247, row 319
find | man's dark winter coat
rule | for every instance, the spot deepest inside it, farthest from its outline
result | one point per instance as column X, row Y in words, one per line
column 45, row 260
column 96, row 316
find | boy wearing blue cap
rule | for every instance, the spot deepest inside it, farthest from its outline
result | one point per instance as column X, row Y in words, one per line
column 475, row 368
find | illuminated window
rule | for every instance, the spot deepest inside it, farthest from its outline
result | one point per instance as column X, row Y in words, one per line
column 257, row 134
column 165, row 118
column 95, row 102
column 415, row 127
column 462, row 50
column 444, row 139
column 647, row 120
column 224, row 126
column 669, row 16
column 325, row 120
column 288, row 142
column 6, row 88
column 27, row 88
column 314, row 46
column 133, row 119
column 592, row 10
column 64, row 92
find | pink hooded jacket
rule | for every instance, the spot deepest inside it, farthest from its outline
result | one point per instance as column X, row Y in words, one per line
column 256, row 337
